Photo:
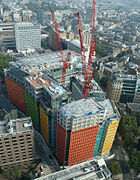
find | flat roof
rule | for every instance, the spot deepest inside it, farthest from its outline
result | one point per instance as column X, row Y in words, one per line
column 134, row 107
column 15, row 126
column 95, row 87
column 47, row 83
column 89, row 106
column 87, row 170
column 44, row 61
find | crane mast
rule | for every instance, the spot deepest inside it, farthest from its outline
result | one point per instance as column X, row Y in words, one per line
column 87, row 70
column 65, row 61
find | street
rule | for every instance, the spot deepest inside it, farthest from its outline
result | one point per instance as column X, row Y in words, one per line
column 119, row 156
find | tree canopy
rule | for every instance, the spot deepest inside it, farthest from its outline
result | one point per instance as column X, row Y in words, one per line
column 115, row 168
column 130, row 133
column 104, row 81
column 100, row 51
column 4, row 62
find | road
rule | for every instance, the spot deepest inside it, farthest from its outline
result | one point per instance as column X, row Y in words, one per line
column 42, row 150
column 119, row 156
column 44, row 147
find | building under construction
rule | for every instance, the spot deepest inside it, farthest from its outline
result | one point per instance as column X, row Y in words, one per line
column 34, row 86
column 86, row 128
column 77, row 88
column 36, row 93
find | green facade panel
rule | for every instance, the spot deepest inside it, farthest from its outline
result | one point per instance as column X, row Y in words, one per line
column 32, row 110
column 98, row 139
column 103, row 136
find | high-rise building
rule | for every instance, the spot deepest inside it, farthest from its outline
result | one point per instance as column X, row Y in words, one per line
column 77, row 88
column 124, row 88
column 27, row 36
column 114, row 89
column 7, row 38
column 16, row 142
column 85, row 129
column 137, row 90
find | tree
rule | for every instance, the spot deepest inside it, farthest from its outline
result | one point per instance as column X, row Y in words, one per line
column 104, row 81
column 123, row 53
column 4, row 62
column 112, row 59
column 97, row 77
column 135, row 159
column 15, row 172
column 100, row 51
column 115, row 168
column 128, row 129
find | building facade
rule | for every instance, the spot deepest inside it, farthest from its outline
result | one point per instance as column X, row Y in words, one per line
column 16, row 142
column 124, row 88
column 114, row 89
column 27, row 36
column 77, row 87
column 7, row 37
column 83, row 130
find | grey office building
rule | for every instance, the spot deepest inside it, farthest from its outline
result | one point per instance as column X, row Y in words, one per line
column 27, row 36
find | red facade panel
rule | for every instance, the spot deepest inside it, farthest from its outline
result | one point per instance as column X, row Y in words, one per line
column 16, row 94
column 82, row 144
column 61, row 143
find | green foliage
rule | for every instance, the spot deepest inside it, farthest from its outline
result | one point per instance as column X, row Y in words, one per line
column 128, row 128
column 33, row 6
column 130, row 132
column 4, row 62
column 45, row 6
column 135, row 159
column 112, row 59
column 15, row 172
column 100, row 51
column 123, row 53
column 97, row 77
column 26, row 177
column 104, row 81
column 115, row 168
column 105, row 42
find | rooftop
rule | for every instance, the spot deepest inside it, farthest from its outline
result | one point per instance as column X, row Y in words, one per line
column 46, row 82
column 89, row 170
column 134, row 107
column 95, row 87
column 85, row 107
column 45, row 61
column 15, row 126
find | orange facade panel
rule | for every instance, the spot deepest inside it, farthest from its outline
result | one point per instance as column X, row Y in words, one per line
column 82, row 144
column 16, row 94
column 61, row 143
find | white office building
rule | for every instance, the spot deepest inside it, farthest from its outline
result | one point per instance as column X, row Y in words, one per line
column 27, row 36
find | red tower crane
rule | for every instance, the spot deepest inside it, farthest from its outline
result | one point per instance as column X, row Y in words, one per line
column 65, row 61
column 87, row 69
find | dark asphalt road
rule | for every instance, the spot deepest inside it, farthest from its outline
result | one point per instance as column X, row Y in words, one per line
column 119, row 156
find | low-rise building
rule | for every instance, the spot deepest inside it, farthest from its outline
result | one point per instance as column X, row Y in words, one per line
column 89, row 170
column 16, row 142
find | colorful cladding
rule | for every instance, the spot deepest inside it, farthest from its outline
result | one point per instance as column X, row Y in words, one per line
column 98, row 140
column 82, row 144
column 109, row 138
column 44, row 124
column 32, row 110
column 16, row 94
column 61, row 143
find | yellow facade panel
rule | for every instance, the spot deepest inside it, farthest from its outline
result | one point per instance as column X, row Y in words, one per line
column 44, row 124
column 112, row 129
